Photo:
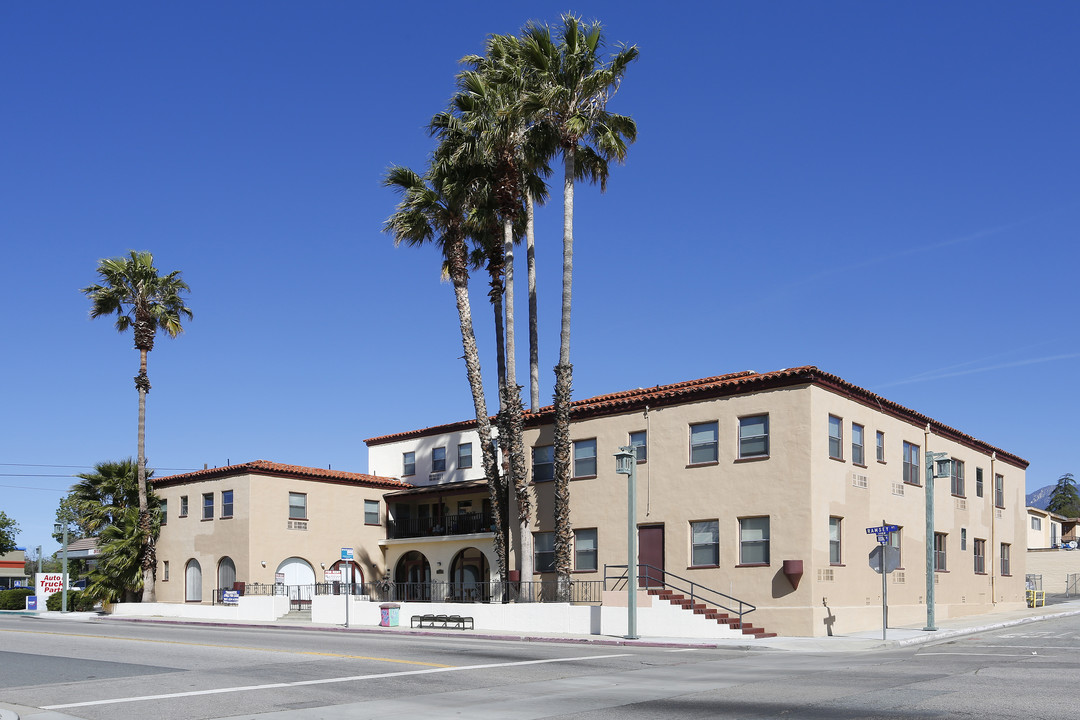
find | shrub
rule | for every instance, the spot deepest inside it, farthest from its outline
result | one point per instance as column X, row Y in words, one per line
column 77, row 601
column 14, row 599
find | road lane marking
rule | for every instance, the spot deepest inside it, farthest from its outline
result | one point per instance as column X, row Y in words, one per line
column 975, row 654
column 327, row 681
column 234, row 647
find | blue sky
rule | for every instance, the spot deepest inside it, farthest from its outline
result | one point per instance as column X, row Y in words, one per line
column 886, row 190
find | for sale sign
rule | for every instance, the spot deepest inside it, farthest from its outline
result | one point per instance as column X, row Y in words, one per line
column 48, row 583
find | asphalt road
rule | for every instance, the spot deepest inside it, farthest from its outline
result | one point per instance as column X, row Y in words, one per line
column 113, row 669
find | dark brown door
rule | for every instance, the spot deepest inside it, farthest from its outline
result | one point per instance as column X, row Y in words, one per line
column 650, row 553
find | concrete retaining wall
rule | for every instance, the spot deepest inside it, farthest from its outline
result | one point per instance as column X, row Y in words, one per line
column 1054, row 566
column 254, row 608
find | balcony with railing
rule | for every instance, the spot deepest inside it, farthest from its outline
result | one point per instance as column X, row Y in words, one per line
column 460, row 524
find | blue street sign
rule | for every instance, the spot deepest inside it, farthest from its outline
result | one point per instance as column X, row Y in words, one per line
column 882, row 529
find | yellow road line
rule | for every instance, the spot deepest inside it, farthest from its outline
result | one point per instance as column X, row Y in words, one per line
column 232, row 647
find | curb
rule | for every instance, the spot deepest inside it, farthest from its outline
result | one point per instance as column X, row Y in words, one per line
column 958, row 632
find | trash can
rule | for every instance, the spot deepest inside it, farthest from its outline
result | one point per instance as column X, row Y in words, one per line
column 388, row 614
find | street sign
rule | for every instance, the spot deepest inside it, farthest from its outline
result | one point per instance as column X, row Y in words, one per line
column 882, row 529
column 346, row 553
column 892, row 558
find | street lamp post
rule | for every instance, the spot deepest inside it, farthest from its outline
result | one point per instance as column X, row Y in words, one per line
column 938, row 465
column 64, row 573
column 626, row 464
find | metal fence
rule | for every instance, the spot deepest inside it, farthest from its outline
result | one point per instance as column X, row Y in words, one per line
column 1072, row 584
column 1033, row 582
column 581, row 591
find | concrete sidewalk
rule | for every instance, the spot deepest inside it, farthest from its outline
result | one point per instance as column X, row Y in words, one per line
column 854, row 642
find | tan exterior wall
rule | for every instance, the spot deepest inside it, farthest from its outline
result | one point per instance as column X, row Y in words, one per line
column 1054, row 566
column 259, row 530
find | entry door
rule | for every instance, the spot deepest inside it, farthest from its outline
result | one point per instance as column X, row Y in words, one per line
column 651, row 552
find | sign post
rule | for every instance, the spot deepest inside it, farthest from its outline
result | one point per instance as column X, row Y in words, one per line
column 884, row 559
column 348, row 554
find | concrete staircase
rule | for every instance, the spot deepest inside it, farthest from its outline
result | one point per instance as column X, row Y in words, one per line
column 697, row 608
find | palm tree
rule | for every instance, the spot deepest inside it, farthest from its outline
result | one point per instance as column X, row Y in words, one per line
column 570, row 89
column 117, row 575
column 435, row 208
column 132, row 289
column 101, row 496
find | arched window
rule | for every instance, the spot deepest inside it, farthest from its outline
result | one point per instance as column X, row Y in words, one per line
column 226, row 574
column 469, row 574
column 413, row 577
column 193, row 581
column 351, row 571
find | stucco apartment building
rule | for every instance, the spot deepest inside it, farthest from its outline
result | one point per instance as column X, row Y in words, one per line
column 739, row 477
column 259, row 522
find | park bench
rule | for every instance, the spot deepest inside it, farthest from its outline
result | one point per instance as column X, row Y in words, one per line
column 442, row 621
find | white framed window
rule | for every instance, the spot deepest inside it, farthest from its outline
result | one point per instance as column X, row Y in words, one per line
column 705, row 543
column 1036, row 523
column 585, row 550
column 464, row 455
column 704, row 442
column 896, row 541
column 858, row 451
column 941, row 559
column 640, row 442
column 544, row 552
column 297, row 506
column 835, row 525
column 165, row 570
column 978, row 482
column 226, row 503
column 836, row 437
column 911, row 463
column 543, row 466
column 585, row 458
column 183, row 506
column 957, row 479
column 754, row 541
column 163, row 511
column 208, row 506
column 438, row 459
column 999, row 491
column 408, row 464
column 372, row 515
column 754, row 436
column 880, row 446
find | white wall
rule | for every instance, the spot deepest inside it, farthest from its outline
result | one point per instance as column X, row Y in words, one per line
column 255, row 608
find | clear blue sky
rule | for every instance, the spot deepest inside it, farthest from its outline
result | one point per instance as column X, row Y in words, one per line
column 886, row 190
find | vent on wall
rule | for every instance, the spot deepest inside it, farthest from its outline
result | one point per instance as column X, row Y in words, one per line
column 825, row 575
column 858, row 480
column 898, row 489
column 297, row 525
column 997, row 513
column 961, row 504
column 898, row 577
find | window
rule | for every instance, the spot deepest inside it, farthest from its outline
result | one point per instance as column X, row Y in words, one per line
column 911, row 463
column 438, row 459
column 1036, row 523
column 836, row 437
column 858, row 454
column 165, row 571
column 297, row 506
column 226, row 574
column 371, row 512
column 544, row 552
column 940, row 559
column 978, row 482
column 208, row 506
column 754, row 541
column 1006, row 552
column 640, row 442
column 834, row 541
column 163, row 512
column 703, row 443
column 880, row 446
column 193, row 581
column 464, row 456
column 585, row 458
column 963, row 539
column 543, row 463
column 958, row 477
column 896, row 541
column 226, row 503
column 408, row 464
column 705, row 543
column 585, row 550
column 183, row 506
column 980, row 556
column 754, row 436
column 999, row 491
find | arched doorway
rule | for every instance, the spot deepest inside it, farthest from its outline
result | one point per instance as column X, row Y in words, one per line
column 351, row 572
column 469, row 573
column 413, row 577
column 226, row 574
column 299, row 580
column 193, row 581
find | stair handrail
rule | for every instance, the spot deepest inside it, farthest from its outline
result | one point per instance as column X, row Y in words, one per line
column 696, row 591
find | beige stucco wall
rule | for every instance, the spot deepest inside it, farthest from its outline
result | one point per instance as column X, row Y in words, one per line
column 1054, row 566
column 259, row 530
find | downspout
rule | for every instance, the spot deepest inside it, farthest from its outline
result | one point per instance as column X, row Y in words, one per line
column 994, row 557
column 648, row 475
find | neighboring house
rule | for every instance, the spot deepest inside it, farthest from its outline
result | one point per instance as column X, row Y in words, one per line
column 13, row 569
column 261, row 522
column 1045, row 528
column 1052, row 557
column 740, row 477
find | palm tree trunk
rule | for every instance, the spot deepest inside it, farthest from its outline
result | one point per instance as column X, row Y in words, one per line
column 563, row 383
column 534, row 345
column 456, row 255
column 148, row 561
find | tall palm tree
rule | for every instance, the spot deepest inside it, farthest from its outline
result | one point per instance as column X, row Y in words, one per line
column 132, row 289
column 102, row 495
column 570, row 88
column 435, row 208
column 117, row 575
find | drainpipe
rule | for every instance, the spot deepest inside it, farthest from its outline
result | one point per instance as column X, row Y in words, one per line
column 995, row 557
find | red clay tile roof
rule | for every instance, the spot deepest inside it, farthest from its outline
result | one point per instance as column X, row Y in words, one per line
column 738, row 383
column 265, row 467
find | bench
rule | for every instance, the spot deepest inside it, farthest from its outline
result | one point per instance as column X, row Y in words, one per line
column 442, row 621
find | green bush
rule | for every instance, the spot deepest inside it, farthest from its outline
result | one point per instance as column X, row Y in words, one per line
column 77, row 601
column 14, row 599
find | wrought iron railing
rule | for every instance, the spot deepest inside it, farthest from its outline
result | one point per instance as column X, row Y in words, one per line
column 581, row 591
column 460, row 524
column 651, row 577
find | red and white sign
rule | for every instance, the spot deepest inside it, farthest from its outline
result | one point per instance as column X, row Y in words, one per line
column 48, row 583
column 333, row 576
